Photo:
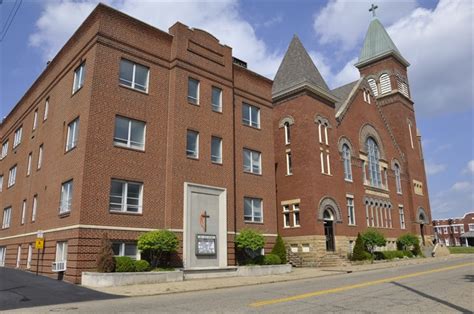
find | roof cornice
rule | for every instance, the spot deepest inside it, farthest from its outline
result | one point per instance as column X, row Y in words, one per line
column 299, row 87
column 381, row 56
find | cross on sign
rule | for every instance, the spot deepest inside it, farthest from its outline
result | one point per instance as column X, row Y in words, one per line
column 373, row 8
column 203, row 220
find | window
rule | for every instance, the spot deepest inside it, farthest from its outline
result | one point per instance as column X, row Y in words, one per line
column 366, row 96
column 18, row 257
column 28, row 165
column 323, row 133
column 61, row 252
column 294, row 248
column 30, row 256
column 1, row 183
column 471, row 227
column 322, row 162
column 374, row 169
column 34, row 208
column 12, row 176
column 3, row 253
column 445, row 230
column 125, row 249
column 192, row 144
column 287, row 133
column 216, row 150
column 373, row 86
column 126, row 196
column 17, row 137
column 397, row 179
column 455, row 229
column 65, row 202
column 350, row 211
column 193, row 91
column 402, row 217
column 252, row 161
column 72, row 134
column 35, row 119
column 346, row 157
column 296, row 215
column 216, row 99
column 4, row 150
column 293, row 211
column 129, row 133
column 46, row 109
column 23, row 212
column 411, row 136
column 286, row 216
column 385, row 86
column 79, row 75
column 7, row 214
column 461, row 229
column 134, row 75
column 40, row 157
column 251, row 115
column 289, row 170
column 253, row 209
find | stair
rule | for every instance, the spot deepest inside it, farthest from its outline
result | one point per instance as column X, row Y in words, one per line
column 332, row 260
column 293, row 258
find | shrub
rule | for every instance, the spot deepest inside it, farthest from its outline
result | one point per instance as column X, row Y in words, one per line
column 105, row 257
column 416, row 250
column 142, row 265
column 280, row 250
column 373, row 238
column 359, row 253
column 389, row 255
column 271, row 259
column 408, row 254
column 407, row 241
column 159, row 245
column 250, row 239
column 124, row 264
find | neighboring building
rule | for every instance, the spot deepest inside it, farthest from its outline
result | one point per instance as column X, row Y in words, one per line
column 131, row 129
column 455, row 231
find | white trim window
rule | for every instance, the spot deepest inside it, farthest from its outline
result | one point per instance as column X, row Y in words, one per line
column 72, row 134
column 216, row 150
column 216, row 99
column 385, row 85
column 289, row 168
column 35, row 119
column 346, row 157
column 3, row 253
column 1, row 183
column 40, row 157
column 461, row 229
column 286, row 128
column 126, row 196
column 471, row 227
column 323, row 139
column 7, row 215
column 23, row 212
column 28, row 164
column 46, row 109
column 193, row 91
column 286, row 216
column 29, row 256
column 17, row 136
column 402, row 217
column 65, row 203
column 350, row 211
column 253, row 211
column 4, row 150
column 12, row 176
column 192, row 144
column 374, row 167
column 251, row 115
column 18, row 257
column 79, row 75
column 252, row 161
column 34, row 208
column 296, row 215
column 134, row 75
column 61, row 254
column 411, row 135
column 129, row 133
column 126, row 249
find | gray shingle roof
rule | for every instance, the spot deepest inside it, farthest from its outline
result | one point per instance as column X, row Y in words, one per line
column 297, row 68
column 469, row 234
column 343, row 92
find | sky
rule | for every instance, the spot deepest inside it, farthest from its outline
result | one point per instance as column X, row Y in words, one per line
column 436, row 37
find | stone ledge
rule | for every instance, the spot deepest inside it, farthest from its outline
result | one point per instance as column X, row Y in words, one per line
column 91, row 279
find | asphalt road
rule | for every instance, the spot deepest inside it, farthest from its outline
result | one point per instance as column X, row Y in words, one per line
column 444, row 287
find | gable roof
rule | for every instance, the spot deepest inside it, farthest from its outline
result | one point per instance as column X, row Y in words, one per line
column 343, row 93
column 297, row 70
column 378, row 44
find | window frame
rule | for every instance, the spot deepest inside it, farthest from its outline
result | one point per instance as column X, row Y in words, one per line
column 296, row 213
column 350, row 210
column 34, row 208
column 289, row 165
column 79, row 77
column 12, row 176
column 23, row 212
column 347, row 162
column 191, row 99
column 46, row 109
column 398, row 181
column 28, row 164
column 124, row 197
column 401, row 214
column 253, row 216
column 216, row 108
column 67, row 190
column 4, row 152
column 190, row 153
column 250, row 121
column 7, row 217
column 61, row 247
column 286, row 129
column 35, row 119
column 122, row 249
column 216, row 159
column 251, row 166
column 17, row 137
column 134, row 71
column 117, row 141
column 286, row 216
column 373, row 157
column 72, row 137
column 40, row 157
column 1, row 182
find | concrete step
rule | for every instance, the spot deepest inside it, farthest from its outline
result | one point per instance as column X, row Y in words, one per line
column 209, row 272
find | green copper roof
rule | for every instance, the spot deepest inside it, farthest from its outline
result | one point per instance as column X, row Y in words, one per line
column 378, row 44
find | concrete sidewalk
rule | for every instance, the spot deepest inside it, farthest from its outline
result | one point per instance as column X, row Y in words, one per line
column 296, row 274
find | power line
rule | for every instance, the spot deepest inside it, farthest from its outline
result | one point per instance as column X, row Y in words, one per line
column 10, row 21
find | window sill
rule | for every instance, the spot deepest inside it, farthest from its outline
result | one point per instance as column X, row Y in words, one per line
column 252, row 127
column 70, row 149
column 74, row 92
column 252, row 173
column 193, row 158
column 129, row 148
column 351, row 225
column 254, row 222
column 217, row 111
column 134, row 89
column 288, row 174
column 194, row 103
column 348, row 181
column 216, row 163
column 65, row 214
column 125, row 213
column 326, row 174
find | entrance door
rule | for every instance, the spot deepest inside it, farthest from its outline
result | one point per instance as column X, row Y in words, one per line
column 329, row 233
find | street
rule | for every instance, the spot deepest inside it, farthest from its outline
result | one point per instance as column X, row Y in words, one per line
column 442, row 287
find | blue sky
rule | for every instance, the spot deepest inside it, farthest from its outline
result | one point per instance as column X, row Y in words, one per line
column 434, row 36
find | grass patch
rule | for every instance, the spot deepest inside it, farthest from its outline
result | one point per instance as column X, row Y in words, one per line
column 163, row 269
column 461, row 250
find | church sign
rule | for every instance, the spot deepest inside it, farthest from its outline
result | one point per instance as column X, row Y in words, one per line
column 206, row 244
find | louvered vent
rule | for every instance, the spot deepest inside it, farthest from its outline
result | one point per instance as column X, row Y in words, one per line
column 373, row 87
column 385, row 86
column 403, row 88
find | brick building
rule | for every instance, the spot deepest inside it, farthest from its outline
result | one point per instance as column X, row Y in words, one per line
column 131, row 129
column 455, row 231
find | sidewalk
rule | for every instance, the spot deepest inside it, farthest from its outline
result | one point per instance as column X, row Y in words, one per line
column 296, row 274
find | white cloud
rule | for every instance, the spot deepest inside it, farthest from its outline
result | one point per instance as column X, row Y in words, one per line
column 461, row 186
column 60, row 18
column 469, row 167
column 433, row 168
column 455, row 201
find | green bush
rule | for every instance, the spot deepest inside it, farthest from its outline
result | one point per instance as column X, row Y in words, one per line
column 105, row 257
column 359, row 253
column 280, row 250
column 417, row 250
column 158, row 245
column 271, row 259
column 406, row 241
column 250, row 239
column 124, row 264
column 389, row 255
column 373, row 238
column 142, row 265
column 408, row 254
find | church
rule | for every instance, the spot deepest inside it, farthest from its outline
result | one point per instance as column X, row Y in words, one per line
column 131, row 129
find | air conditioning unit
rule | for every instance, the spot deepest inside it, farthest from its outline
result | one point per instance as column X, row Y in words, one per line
column 59, row 266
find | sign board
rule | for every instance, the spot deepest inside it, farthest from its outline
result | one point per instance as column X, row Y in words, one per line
column 39, row 243
column 39, row 234
column 206, row 244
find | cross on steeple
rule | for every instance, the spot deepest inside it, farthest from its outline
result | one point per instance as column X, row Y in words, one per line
column 372, row 9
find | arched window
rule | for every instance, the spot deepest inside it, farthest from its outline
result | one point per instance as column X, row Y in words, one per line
column 346, row 157
column 397, row 179
column 287, row 132
column 373, row 86
column 374, row 156
column 385, row 86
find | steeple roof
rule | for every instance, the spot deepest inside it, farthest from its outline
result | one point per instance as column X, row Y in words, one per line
column 297, row 70
column 378, row 44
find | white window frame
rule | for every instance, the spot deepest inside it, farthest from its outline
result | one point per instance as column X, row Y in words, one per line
column 286, row 216
column 4, row 150
column 23, row 212
column 40, row 157
column 3, row 254
column 346, row 158
column 129, row 144
column 401, row 214
column 289, row 166
column 60, row 260
column 286, row 128
column 216, row 107
column 29, row 256
column 296, row 212
column 28, row 165
column 79, row 77
column 18, row 257
column 124, row 197
column 12, row 176
column 35, row 119
column 191, row 99
column 411, row 135
column 72, row 134
column 65, row 201
column 328, row 164
column 17, row 137
column 46, row 109
column 471, row 227
column 350, row 210
column 1, row 183
column 249, row 122
column 385, row 84
column 253, row 207
column 7, row 216
column 133, row 82
column 461, row 229
column 398, row 181
column 34, row 208
column 252, row 164
column 321, row 155
column 122, row 249
column 216, row 159
column 194, row 154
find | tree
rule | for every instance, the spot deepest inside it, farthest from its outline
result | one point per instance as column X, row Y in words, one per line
column 373, row 238
column 105, row 257
column 250, row 243
column 359, row 253
column 279, row 249
column 159, row 245
column 406, row 241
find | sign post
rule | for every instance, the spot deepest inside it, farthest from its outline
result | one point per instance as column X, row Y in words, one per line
column 39, row 245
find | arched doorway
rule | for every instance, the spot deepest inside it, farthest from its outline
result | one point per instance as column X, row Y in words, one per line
column 328, row 218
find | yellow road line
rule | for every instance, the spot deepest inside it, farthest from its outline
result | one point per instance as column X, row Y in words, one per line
column 360, row 285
